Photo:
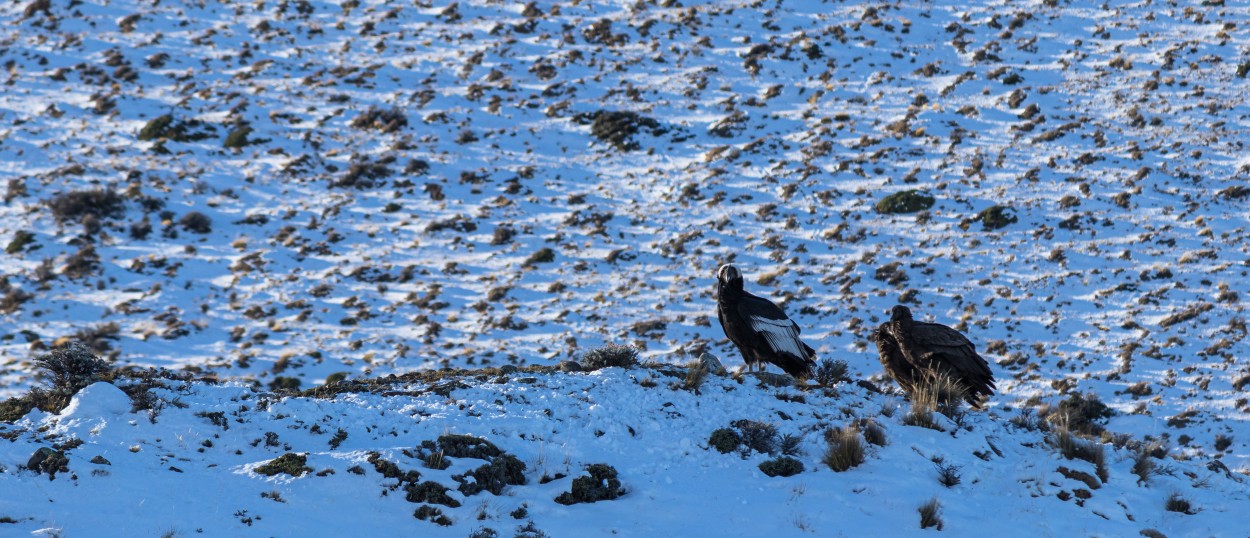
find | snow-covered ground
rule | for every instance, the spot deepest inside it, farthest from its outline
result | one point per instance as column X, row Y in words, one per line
column 399, row 187
column 189, row 473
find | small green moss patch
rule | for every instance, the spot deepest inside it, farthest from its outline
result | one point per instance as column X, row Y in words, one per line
column 290, row 463
column 908, row 201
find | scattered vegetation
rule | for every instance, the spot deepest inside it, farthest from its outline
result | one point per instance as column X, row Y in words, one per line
column 618, row 127
column 845, row 449
column 611, row 355
column 73, row 206
column 599, row 484
column 65, row 370
column 1178, row 503
column 165, row 127
column 782, row 466
column 830, row 372
column 724, row 440
column 758, row 436
column 931, row 514
column 290, row 463
column 383, row 120
column 902, row 202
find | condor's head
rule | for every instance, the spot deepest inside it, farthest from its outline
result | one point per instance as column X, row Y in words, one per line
column 728, row 277
column 900, row 313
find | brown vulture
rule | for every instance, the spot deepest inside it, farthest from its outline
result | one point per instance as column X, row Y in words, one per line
column 759, row 328
column 912, row 352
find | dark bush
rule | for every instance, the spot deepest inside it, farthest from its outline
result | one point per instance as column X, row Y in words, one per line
column 384, row 120
column 284, row 383
column 196, row 222
column 432, row 514
column 74, row 205
column 429, row 492
column 467, row 446
column 504, row 470
column 21, row 239
column 1080, row 413
column 165, row 127
column 600, row 484
column 995, row 217
column 829, row 372
column 782, row 466
column 724, row 440
column 66, row 370
column 758, row 436
column 289, row 463
column 609, row 356
column 543, row 255
column 908, row 201
column 363, row 174
column 618, row 127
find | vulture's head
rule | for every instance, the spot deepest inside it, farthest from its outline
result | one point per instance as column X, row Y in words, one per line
column 900, row 313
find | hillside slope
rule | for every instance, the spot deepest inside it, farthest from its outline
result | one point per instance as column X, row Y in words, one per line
column 285, row 191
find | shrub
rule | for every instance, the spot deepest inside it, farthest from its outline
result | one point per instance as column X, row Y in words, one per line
column 15, row 408
column 845, row 450
column 873, row 433
column 948, row 474
column 290, row 463
column 1075, row 448
column 166, row 127
column 504, row 470
column 790, row 445
column 782, row 466
column 829, row 372
column 384, row 120
column 724, row 440
column 609, row 356
column 66, row 370
column 543, row 255
column 758, row 436
column 930, row 514
column 363, row 174
column 908, row 201
column 995, row 217
column 618, row 127
column 696, row 373
column 528, row 530
column 429, row 492
column 1080, row 413
column 284, row 383
column 21, row 239
column 1178, row 503
column 196, row 222
column 432, row 514
column 467, row 446
column 599, row 484
column 74, row 205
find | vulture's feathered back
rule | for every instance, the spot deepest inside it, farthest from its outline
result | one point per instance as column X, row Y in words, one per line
column 759, row 328
column 912, row 351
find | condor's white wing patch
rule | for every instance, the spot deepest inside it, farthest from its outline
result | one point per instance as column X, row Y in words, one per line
column 782, row 335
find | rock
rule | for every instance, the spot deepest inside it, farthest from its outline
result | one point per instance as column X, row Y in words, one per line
column 508, row 369
column 47, row 460
column 712, row 364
